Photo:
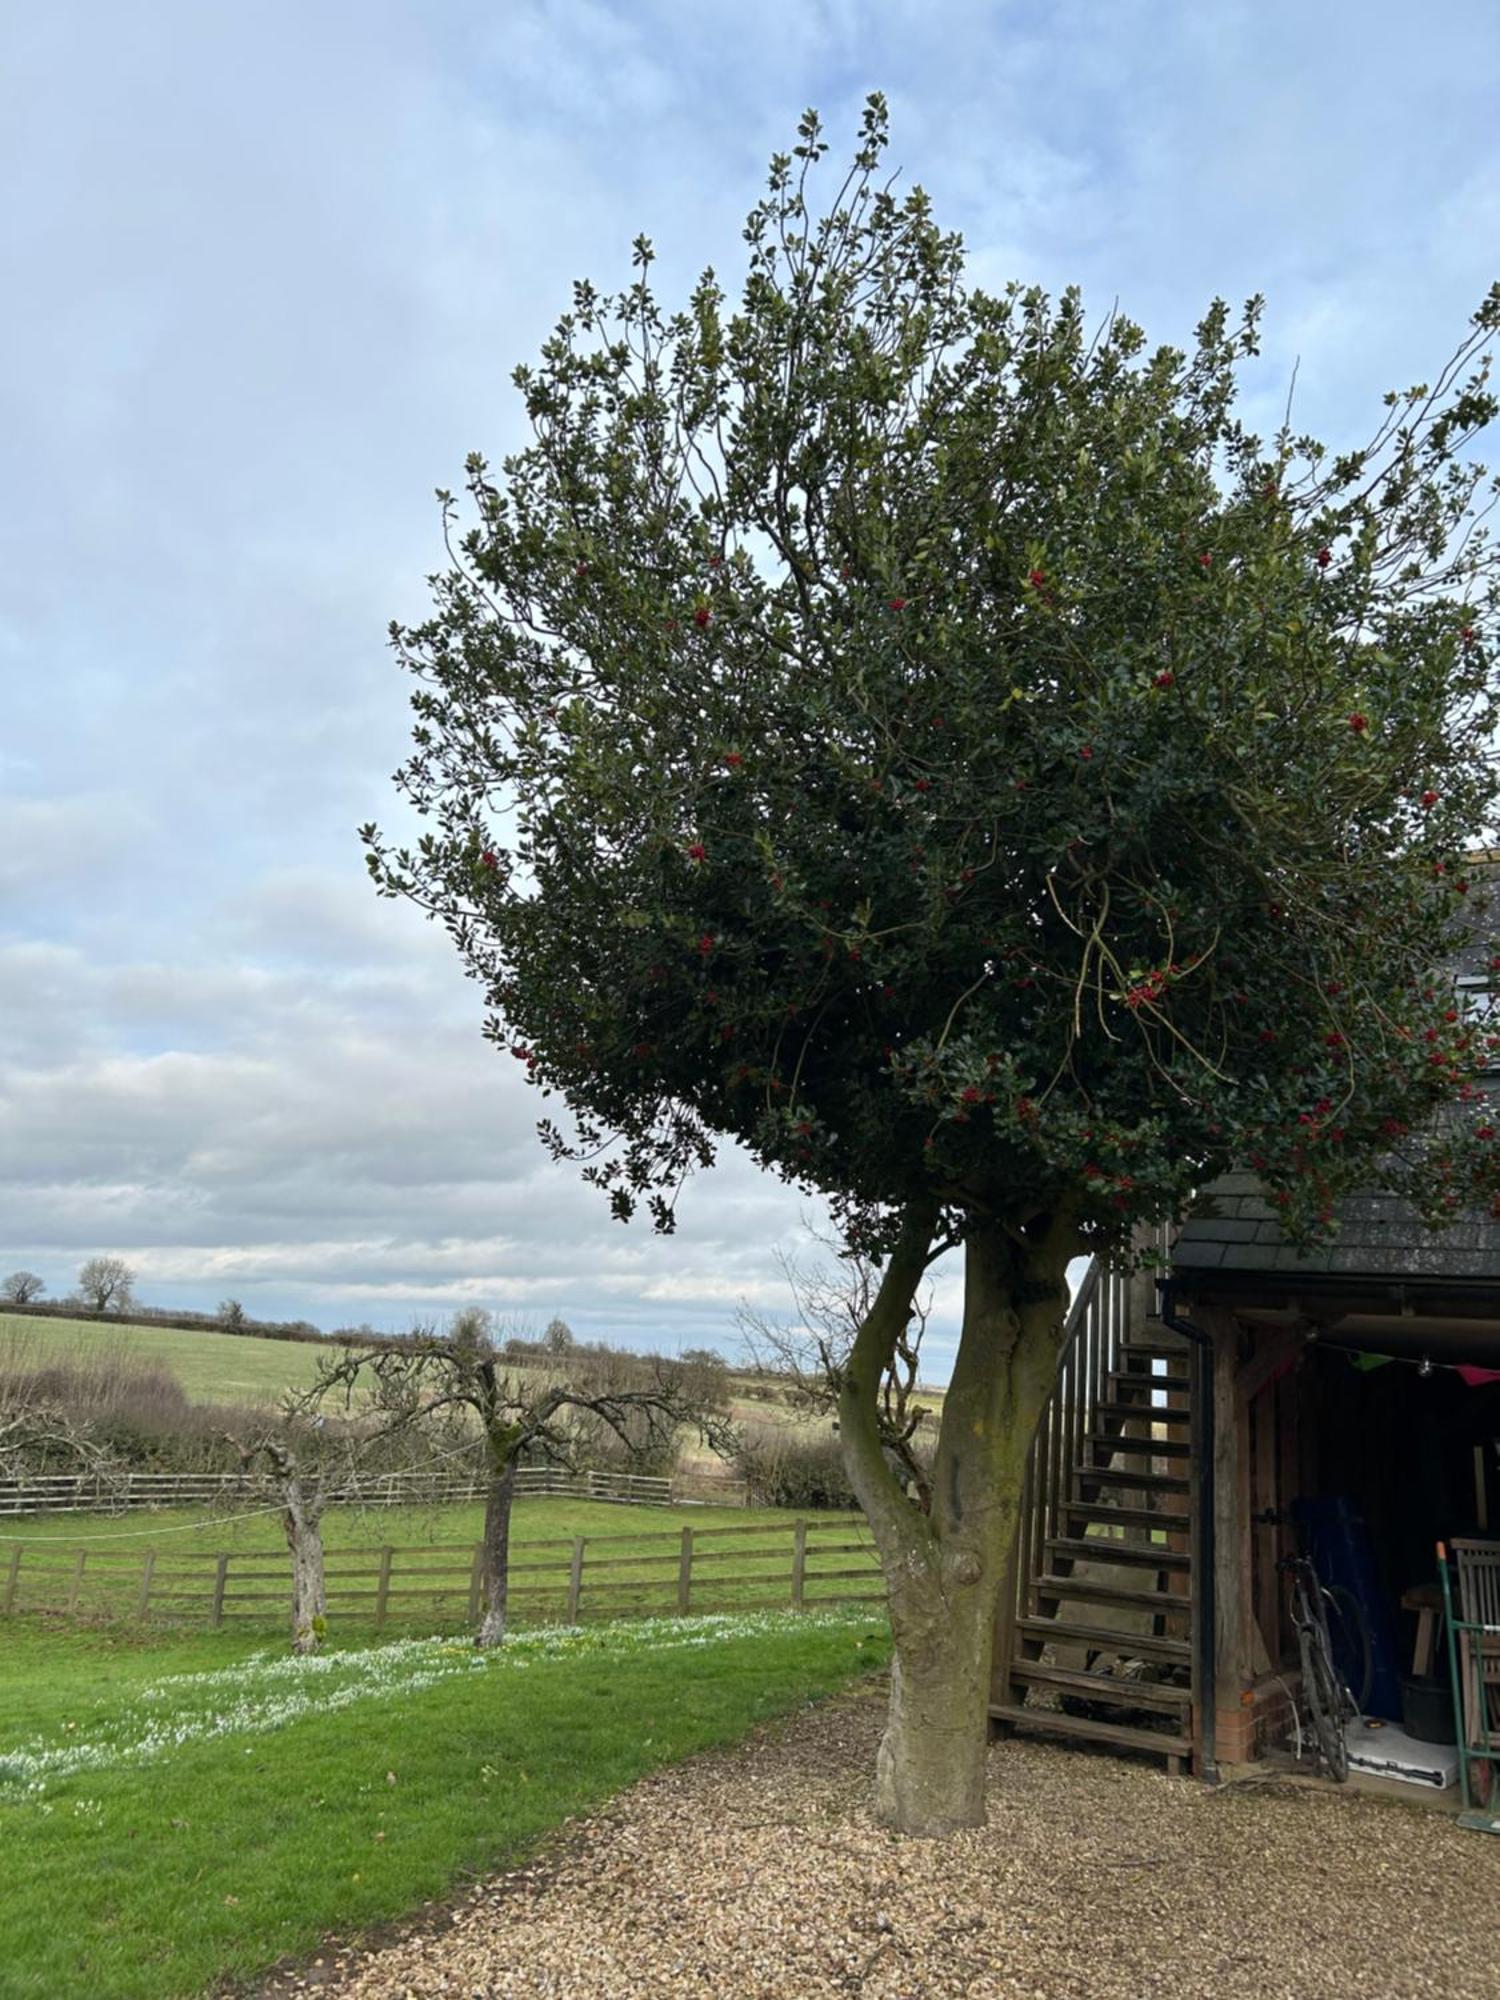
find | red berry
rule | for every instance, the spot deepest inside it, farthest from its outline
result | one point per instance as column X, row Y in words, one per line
column 1086, row 752
column 1206, row 559
column 1429, row 799
column 898, row 604
column 1358, row 723
column 697, row 852
column 705, row 944
column 1164, row 679
column 701, row 616
column 734, row 760
column 1325, row 557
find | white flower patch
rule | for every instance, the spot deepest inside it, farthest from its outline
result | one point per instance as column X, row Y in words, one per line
column 269, row 1691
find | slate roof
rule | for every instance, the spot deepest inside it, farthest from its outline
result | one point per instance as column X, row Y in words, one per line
column 1236, row 1231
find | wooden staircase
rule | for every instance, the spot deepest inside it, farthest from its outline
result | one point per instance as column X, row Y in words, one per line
column 1096, row 1631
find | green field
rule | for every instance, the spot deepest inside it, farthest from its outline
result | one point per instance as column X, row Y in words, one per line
column 238, row 1368
column 212, row 1367
column 175, row 1810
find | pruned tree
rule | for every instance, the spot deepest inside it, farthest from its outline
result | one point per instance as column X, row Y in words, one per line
column 21, row 1287
column 231, row 1316
column 106, row 1281
column 300, row 1462
column 518, row 1415
column 39, row 1436
column 937, row 746
column 810, row 1354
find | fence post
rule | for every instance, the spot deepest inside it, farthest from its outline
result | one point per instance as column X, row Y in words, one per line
column 476, row 1581
column 12, row 1577
column 221, row 1573
column 685, row 1571
column 83, row 1556
column 148, row 1570
column 383, row 1588
column 799, row 1563
column 575, row 1581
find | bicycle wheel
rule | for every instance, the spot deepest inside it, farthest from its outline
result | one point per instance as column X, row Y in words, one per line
column 1349, row 1635
column 1323, row 1694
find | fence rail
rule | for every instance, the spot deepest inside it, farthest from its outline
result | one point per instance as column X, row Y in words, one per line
column 803, row 1565
column 89, row 1493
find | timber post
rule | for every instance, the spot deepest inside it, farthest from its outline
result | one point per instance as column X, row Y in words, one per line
column 575, row 1580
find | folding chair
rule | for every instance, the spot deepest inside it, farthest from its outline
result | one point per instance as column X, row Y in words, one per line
column 1474, row 1659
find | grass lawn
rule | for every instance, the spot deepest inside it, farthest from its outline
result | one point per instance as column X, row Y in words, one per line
column 178, row 1809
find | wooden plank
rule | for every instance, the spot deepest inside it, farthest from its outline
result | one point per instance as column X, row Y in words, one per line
column 221, row 1576
column 12, row 1577
column 83, row 1556
column 1103, row 1687
column 685, row 1571
column 1158, row 1520
column 799, row 1564
column 1085, row 1591
column 575, row 1579
column 1105, row 1639
column 476, row 1582
column 148, row 1571
column 1057, row 1723
column 1104, row 1549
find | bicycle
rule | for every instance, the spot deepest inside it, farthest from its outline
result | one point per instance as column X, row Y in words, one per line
column 1330, row 1703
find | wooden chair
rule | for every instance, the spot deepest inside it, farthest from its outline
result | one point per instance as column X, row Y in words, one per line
column 1477, row 1566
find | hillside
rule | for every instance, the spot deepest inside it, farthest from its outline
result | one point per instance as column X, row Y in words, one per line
column 212, row 1367
column 240, row 1368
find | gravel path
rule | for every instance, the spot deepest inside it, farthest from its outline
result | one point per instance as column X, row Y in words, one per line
column 758, row 1874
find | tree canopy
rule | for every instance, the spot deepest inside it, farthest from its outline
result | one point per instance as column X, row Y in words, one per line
column 927, row 738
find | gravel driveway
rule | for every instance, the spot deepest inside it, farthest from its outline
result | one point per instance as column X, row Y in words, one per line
column 758, row 1874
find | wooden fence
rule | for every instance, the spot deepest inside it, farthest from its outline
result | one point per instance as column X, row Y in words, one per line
column 90, row 1493
column 804, row 1564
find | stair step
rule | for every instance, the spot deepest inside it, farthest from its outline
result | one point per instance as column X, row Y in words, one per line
column 1083, row 1590
column 1159, row 1347
column 1112, row 1441
column 1100, row 1639
column 1125, row 1517
column 1101, row 1687
column 1139, row 1482
column 1137, row 1378
column 1106, row 1548
column 1134, row 1413
column 1056, row 1723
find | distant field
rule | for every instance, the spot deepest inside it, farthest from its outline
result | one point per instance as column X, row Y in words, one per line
column 212, row 1367
column 238, row 1368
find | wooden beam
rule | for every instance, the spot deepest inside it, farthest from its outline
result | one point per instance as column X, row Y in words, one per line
column 1268, row 1358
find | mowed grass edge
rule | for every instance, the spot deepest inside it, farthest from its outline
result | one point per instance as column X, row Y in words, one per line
column 163, row 1832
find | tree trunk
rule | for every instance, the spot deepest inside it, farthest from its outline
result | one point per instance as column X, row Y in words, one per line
column 494, row 1567
column 943, row 1573
column 303, row 1521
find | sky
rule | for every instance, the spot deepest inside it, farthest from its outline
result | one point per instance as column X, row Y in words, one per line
column 266, row 273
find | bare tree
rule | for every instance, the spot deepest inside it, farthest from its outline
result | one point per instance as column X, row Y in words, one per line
column 106, row 1282
column 300, row 1462
column 39, row 1436
column 810, row 1356
column 21, row 1287
column 532, row 1413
